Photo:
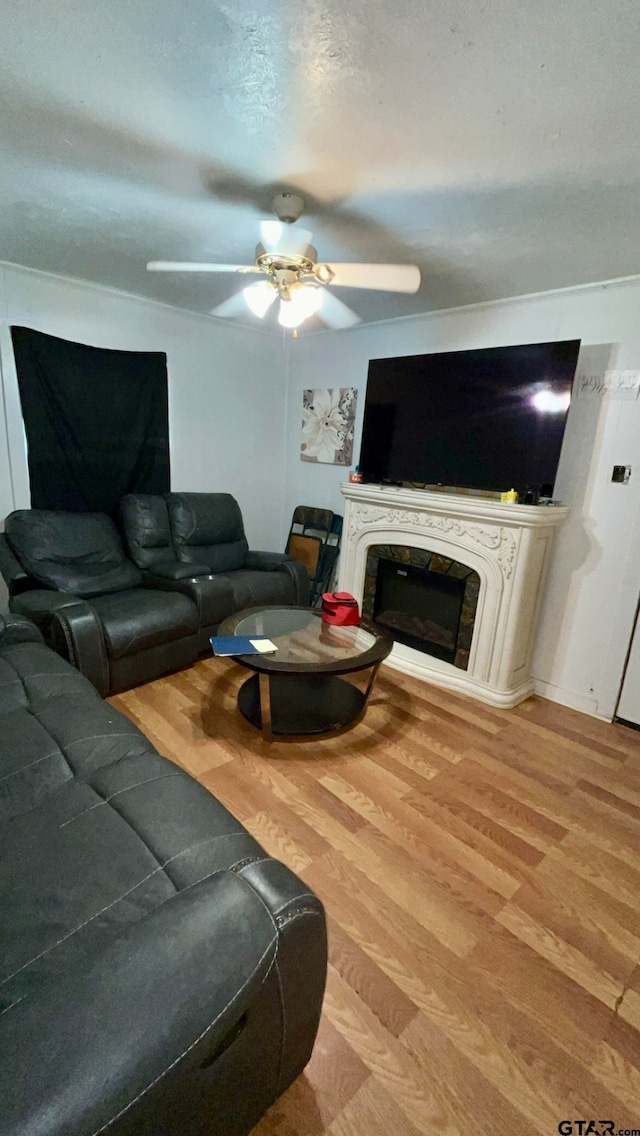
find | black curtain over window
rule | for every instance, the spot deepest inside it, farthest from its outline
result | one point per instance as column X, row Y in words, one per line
column 97, row 422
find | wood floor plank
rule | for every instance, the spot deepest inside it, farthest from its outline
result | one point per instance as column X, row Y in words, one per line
column 398, row 824
column 481, row 874
column 330, row 1081
column 383, row 997
column 374, row 1112
column 532, row 984
column 424, row 1101
column 480, row 1106
column 412, row 831
column 480, row 829
column 564, row 955
column 602, row 869
column 621, row 1077
column 602, row 914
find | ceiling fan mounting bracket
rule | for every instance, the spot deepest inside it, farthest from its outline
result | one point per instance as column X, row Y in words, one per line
column 295, row 266
column 288, row 207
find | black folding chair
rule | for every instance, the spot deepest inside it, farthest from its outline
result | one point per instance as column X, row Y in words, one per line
column 314, row 539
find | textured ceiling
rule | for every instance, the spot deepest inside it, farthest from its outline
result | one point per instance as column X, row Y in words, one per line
column 493, row 142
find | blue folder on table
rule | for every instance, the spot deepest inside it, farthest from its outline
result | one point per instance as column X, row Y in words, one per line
column 241, row 645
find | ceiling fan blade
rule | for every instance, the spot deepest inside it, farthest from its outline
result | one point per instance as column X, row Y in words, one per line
column 335, row 313
column 287, row 240
column 383, row 277
column 231, row 308
column 256, row 299
column 194, row 266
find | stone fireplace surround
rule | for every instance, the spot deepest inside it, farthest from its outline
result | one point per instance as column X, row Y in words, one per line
column 507, row 545
column 441, row 566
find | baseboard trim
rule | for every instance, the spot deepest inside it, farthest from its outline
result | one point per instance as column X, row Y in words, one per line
column 463, row 683
column 569, row 698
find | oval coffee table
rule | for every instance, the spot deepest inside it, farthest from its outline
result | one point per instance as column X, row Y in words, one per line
column 297, row 689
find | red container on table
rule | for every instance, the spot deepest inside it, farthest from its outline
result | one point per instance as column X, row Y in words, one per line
column 340, row 608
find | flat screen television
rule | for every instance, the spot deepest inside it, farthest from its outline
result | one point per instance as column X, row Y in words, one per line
column 487, row 419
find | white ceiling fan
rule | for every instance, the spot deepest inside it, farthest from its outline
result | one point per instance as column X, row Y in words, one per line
column 289, row 261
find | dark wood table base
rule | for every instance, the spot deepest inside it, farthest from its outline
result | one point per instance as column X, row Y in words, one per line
column 296, row 705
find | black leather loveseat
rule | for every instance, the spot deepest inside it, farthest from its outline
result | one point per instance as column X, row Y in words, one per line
column 195, row 543
column 124, row 621
column 159, row 974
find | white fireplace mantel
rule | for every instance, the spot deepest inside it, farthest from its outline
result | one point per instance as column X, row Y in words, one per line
column 507, row 545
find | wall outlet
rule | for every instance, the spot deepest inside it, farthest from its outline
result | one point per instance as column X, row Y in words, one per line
column 621, row 474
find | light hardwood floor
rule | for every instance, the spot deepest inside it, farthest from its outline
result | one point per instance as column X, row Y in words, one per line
column 481, row 874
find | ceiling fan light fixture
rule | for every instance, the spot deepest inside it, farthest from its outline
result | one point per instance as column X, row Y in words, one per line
column 304, row 302
column 270, row 232
column 259, row 297
column 286, row 257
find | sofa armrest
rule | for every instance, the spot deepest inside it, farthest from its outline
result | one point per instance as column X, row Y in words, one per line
column 280, row 562
column 212, row 595
column 77, row 635
column 40, row 605
column 18, row 629
column 12, row 571
column 71, row 627
column 143, row 1037
column 302, row 958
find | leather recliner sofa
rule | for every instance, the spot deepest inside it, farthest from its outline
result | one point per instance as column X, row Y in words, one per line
column 195, row 543
column 160, row 975
column 68, row 573
column 121, row 624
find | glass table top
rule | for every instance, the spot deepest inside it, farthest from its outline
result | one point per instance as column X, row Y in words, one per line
column 302, row 637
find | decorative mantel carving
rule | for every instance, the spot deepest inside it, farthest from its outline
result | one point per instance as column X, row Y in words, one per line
column 494, row 537
column 507, row 545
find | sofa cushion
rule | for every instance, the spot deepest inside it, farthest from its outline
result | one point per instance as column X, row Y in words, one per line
column 207, row 529
column 103, row 829
column 78, row 553
column 252, row 589
column 53, row 726
column 136, row 620
column 179, row 571
column 147, row 530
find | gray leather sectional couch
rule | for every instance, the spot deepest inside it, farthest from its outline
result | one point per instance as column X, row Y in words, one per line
column 160, row 975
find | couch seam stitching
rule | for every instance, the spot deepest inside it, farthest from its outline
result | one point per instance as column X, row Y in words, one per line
column 295, row 899
column 124, row 895
column 293, row 915
column 100, row 737
column 149, row 781
column 23, row 768
column 70, row 934
column 83, row 813
column 283, row 1039
column 105, row 800
column 217, row 871
column 12, row 1004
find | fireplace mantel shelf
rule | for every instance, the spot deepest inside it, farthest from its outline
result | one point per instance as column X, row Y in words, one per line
column 508, row 546
column 453, row 505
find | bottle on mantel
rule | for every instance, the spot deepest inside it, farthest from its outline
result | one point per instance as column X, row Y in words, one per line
column 510, row 498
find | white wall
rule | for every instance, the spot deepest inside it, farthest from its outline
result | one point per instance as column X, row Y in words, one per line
column 226, row 390
column 595, row 577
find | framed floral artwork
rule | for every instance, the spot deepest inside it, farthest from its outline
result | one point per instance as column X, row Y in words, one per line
column 328, row 424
